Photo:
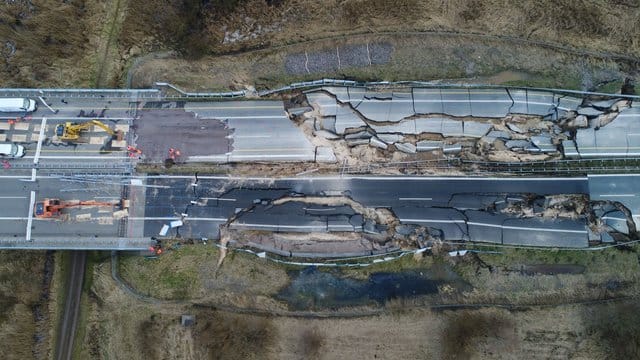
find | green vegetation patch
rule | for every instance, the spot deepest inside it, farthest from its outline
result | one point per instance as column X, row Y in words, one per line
column 192, row 272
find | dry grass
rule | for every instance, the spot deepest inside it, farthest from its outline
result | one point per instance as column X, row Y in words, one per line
column 123, row 327
column 617, row 328
column 62, row 44
column 190, row 273
column 150, row 331
column 311, row 342
column 470, row 333
column 20, row 282
column 415, row 57
column 49, row 39
column 231, row 336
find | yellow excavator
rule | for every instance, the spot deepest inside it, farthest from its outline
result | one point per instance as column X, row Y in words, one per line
column 71, row 132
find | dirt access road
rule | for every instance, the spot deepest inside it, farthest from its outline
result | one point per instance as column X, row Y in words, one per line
column 69, row 320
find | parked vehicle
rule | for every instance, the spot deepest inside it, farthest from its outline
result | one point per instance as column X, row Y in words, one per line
column 11, row 150
column 17, row 105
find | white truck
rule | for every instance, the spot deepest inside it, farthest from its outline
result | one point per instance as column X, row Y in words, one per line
column 18, row 105
column 11, row 150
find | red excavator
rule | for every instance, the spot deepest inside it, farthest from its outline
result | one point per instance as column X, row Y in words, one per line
column 51, row 208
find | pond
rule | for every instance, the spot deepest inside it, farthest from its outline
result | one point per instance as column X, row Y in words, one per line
column 311, row 288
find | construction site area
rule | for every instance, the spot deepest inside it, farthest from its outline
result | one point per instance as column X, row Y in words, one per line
column 295, row 179
column 434, row 194
column 326, row 172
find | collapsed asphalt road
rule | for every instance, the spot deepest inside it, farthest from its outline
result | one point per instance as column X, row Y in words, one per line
column 552, row 212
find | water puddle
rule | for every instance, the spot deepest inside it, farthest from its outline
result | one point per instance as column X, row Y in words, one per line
column 311, row 288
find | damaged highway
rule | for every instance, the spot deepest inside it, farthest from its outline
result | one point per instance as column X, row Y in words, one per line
column 332, row 217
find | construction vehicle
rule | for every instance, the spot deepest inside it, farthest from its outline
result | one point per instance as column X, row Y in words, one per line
column 71, row 132
column 52, row 208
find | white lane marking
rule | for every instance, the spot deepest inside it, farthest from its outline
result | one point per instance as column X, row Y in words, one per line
column 256, row 117
column 281, row 226
column 219, row 199
column 545, row 229
column 341, row 226
column 434, row 221
column 484, row 224
column 43, row 124
column 32, row 203
column 617, row 195
column 261, row 153
column 613, row 218
column 13, row 197
column 176, row 218
column 498, row 226
column 415, row 199
column 436, row 101
column 47, row 105
column 376, row 178
column 233, row 136
column 612, row 175
column 320, row 209
column 79, row 157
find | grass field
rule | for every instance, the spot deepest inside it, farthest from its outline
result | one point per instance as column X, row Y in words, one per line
column 121, row 326
column 21, row 276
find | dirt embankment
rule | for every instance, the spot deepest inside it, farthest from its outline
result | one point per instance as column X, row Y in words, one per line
column 521, row 43
column 45, row 44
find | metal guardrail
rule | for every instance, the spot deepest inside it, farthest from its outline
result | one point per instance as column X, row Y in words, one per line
column 83, row 93
column 428, row 84
column 352, row 83
column 158, row 93
column 230, row 94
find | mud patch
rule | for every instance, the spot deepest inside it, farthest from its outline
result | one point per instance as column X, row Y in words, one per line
column 551, row 269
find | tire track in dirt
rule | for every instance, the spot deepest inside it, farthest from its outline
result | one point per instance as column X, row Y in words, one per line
column 102, row 60
column 67, row 331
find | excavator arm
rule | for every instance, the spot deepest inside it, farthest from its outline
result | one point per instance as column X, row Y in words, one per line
column 104, row 127
column 51, row 208
column 71, row 131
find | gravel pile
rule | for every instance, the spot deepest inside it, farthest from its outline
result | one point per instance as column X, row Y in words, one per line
column 380, row 53
column 353, row 56
column 327, row 60
column 323, row 61
column 294, row 64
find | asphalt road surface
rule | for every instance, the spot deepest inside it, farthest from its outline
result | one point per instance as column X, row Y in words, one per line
column 195, row 207
column 202, row 204
column 247, row 130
